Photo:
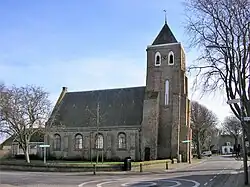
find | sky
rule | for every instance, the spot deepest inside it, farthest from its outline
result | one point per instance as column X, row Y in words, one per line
column 88, row 45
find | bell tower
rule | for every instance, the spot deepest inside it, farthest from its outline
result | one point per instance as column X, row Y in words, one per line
column 166, row 80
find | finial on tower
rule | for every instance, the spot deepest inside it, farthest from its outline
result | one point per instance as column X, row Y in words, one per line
column 165, row 16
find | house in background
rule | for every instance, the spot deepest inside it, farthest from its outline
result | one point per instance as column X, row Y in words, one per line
column 6, row 145
column 10, row 146
column 226, row 143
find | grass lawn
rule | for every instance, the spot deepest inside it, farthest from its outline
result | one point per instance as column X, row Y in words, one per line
column 87, row 163
column 110, row 163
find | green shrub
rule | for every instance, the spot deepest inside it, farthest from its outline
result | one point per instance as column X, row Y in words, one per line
column 32, row 157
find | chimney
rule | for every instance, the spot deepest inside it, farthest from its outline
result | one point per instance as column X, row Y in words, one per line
column 64, row 89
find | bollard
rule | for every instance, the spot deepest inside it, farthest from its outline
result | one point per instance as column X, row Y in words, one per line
column 166, row 165
column 140, row 167
column 94, row 169
column 172, row 161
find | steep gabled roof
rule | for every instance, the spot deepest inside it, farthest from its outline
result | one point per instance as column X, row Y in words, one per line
column 118, row 107
column 165, row 36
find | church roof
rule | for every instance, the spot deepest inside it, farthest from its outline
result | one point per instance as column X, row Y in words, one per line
column 165, row 36
column 118, row 107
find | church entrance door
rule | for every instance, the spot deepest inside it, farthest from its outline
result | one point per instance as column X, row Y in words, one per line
column 147, row 154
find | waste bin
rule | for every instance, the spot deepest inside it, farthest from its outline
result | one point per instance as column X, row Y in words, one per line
column 127, row 164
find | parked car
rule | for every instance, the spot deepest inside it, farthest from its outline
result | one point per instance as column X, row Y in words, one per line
column 207, row 153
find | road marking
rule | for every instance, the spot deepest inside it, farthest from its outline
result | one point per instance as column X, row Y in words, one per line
column 196, row 184
column 215, row 176
column 82, row 184
column 210, row 179
column 205, row 184
column 146, row 184
column 177, row 183
column 100, row 184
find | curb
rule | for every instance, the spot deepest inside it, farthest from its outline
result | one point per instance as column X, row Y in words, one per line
column 79, row 172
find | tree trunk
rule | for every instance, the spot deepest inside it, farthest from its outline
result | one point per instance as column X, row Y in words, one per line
column 236, row 140
column 27, row 156
column 198, row 145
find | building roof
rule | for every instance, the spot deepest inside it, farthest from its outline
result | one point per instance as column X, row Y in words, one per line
column 165, row 36
column 118, row 107
column 36, row 137
column 7, row 142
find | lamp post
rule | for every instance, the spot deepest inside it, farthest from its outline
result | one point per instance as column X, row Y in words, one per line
column 241, row 113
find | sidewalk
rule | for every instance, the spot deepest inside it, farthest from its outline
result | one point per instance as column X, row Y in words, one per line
column 162, row 167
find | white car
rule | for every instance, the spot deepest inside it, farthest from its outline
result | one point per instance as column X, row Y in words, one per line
column 207, row 153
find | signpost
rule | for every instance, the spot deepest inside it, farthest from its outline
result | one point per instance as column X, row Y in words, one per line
column 247, row 143
column 233, row 101
column 242, row 120
column 246, row 118
column 44, row 152
column 186, row 141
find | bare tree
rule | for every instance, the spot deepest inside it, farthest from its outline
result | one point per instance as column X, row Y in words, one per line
column 98, row 117
column 202, row 123
column 220, row 29
column 233, row 127
column 23, row 112
column 207, row 137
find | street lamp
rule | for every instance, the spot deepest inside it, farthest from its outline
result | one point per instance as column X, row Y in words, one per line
column 241, row 112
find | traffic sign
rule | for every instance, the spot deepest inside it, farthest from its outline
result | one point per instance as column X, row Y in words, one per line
column 246, row 118
column 233, row 101
column 44, row 145
column 247, row 143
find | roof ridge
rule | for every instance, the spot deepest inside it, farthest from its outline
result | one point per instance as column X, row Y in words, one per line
column 124, row 88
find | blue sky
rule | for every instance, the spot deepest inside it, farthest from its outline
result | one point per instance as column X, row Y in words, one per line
column 86, row 45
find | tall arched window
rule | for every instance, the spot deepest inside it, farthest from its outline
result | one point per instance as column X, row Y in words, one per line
column 171, row 58
column 78, row 141
column 122, row 140
column 157, row 59
column 57, row 142
column 99, row 141
column 166, row 92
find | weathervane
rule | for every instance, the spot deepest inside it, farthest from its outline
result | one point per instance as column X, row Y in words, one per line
column 165, row 15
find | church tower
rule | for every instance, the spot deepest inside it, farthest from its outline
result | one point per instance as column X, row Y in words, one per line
column 165, row 123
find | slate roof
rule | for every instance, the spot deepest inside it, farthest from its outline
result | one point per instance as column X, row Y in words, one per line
column 36, row 137
column 165, row 36
column 118, row 107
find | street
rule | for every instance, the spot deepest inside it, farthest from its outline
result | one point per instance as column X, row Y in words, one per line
column 213, row 172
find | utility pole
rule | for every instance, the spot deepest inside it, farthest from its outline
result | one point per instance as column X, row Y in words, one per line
column 97, row 130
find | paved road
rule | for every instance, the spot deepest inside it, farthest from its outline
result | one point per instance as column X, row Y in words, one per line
column 214, row 172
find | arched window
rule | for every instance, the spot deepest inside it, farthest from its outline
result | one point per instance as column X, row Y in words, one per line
column 122, row 140
column 171, row 58
column 99, row 141
column 166, row 92
column 78, row 141
column 57, row 142
column 157, row 59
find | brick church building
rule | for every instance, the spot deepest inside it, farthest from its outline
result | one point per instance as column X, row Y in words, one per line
column 148, row 122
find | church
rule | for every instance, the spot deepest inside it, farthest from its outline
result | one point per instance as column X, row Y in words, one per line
column 145, row 123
